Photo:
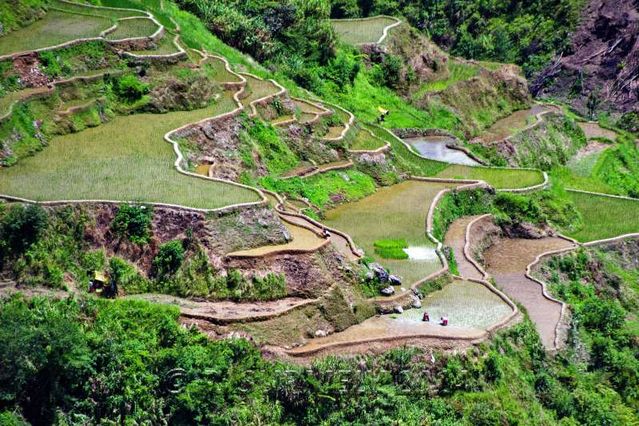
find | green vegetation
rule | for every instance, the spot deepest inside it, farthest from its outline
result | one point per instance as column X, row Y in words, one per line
column 601, row 286
column 14, row 15
column 150, row 367
column 550, row 206
column 498, row 178
column 527, row 34
column 20, row 227
column 604, row 217
column 109, row 162
column 364, row 141
column 324, row 189
column 391, row 249
column 458, row 71
column 361, row 31
column 133, row 223
column 264, row 139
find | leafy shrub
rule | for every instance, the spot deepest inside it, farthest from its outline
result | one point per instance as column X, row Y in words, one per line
column 168, row 259
column 20, row 227
column 130, row 88
column 133, row 222
column 126, row 277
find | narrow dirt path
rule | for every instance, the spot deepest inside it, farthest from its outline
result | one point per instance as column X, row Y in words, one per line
column 506, row 261
column 456, row 240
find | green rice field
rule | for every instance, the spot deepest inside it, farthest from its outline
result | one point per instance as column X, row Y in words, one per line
column 604, row 217
column 498, row 178
column 217, row 70
column 125, row 159
column 131, row 28
column 358, row 31
column 257, row 89
column 395, row 212
column 56, row 27
column 364, row 140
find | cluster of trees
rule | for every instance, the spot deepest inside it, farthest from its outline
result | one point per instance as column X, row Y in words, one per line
column 525, row 32
column 92, row 361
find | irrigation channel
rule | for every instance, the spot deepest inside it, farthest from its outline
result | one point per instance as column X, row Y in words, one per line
column 438, row 148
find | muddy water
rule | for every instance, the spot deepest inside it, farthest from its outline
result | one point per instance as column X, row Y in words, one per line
column 456, row 239
column 506, row 261
column 470, row 308
column 435, row 148
column 511, row 124
column 203, row 169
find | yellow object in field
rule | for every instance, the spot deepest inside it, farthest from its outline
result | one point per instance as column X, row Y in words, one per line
column 382, row 110
column 99, row 277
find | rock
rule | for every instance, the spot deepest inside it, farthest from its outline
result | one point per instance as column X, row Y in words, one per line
column 321, row 333
column 416, row 303
column 379, row 271
column 388, row 291
column 398, row 309
column 394, row 280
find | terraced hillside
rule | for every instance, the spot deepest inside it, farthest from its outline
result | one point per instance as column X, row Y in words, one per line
column 393, row 203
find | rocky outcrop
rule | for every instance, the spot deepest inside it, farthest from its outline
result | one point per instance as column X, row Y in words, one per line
column 600, row 68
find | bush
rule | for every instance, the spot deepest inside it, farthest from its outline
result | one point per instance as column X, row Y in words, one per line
column 125, row 276
column 20, row 227
column 169, row 259
column 133, row 223
column 130, row 88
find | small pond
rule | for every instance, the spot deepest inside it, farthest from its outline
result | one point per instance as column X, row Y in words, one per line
column 435, row 148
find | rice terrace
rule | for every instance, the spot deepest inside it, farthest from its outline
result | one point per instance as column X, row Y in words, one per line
column 324, row 212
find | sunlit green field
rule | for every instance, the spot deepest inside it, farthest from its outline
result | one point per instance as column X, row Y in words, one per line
column 364, row 140
column 604, row 217
column 124, row 159
column 361, row 30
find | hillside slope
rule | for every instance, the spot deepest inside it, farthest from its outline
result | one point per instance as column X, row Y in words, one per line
column 600, row 69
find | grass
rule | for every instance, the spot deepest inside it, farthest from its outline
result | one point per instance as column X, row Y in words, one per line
column 458, row 71
column 10, row 98
column 125, row 159
column 364, row 140
column 361, row 30
column 363, row 98
column 132, row 28
column 604, row 217
column 397, row 212
column 498, row 178
column 391, row 249
column 55, row 28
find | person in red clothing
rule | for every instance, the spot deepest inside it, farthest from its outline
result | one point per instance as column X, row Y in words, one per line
column 426, row 317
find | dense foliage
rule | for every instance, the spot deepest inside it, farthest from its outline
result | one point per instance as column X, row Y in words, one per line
column 79, row 361
column 525, row 32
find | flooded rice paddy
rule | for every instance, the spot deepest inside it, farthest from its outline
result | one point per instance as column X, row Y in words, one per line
column 513, row 123
column 395, row 212
column 436, row 148
column 469, row 306
column 506, row 260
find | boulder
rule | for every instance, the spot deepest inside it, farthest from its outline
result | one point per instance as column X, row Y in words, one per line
column 398, row 309
column 320, row 333
column 388, row 291
column 416, row 303
column 394, row 280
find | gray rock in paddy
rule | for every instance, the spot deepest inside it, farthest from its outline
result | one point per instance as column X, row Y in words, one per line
column 394, row 280
column 320, row 333
column 398, row 309
column 388, row 291
column 416, row 303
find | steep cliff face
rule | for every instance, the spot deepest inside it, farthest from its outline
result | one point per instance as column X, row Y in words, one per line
column 600, row 71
